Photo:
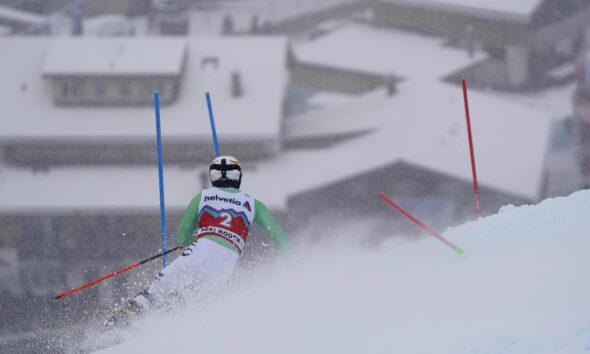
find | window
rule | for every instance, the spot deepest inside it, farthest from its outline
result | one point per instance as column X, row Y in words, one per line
column 70, row 89
column 100, row 89
column 65, row 90
column 125, row 89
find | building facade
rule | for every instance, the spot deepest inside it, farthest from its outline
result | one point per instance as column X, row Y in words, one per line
column 527, row 41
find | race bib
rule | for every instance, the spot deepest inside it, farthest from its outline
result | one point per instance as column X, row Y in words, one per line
column 226, row 215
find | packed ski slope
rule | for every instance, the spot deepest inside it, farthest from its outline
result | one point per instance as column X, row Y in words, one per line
column 523, row 288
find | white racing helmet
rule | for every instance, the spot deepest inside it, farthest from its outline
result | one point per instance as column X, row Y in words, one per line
column 225, row 172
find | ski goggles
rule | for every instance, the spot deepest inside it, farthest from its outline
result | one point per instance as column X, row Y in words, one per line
column 231, row 172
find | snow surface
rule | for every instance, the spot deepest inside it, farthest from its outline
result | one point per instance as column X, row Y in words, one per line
column 522, row 289
column 120, row 56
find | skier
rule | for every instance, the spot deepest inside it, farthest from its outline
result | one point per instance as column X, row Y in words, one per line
column 214, row 230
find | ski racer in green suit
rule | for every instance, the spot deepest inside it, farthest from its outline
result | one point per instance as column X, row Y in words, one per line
column 214, row 230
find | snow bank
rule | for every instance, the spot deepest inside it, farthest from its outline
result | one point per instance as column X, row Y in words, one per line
column 522, row 289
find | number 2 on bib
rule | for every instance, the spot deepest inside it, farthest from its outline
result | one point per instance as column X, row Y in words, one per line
column 226, row 220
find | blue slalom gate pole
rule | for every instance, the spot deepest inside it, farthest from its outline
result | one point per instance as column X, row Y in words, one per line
column 212, row 121
column 160, row 174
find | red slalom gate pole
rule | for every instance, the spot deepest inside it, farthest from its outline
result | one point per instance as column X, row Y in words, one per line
column 117, row 272
column 473, row 169
column 415, row 220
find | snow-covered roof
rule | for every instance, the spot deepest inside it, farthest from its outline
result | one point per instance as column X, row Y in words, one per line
column 257, row 115
column 278, row 12
column 510, row 144
column 383, row 52
column 520, row 10
column 108, row 25
column 13, row 15
column 424, row 125
column 115, row 56
column 94, row 188
column 331, row 119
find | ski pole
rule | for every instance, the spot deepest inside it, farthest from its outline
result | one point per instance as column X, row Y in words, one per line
column 117, row 272
column 415, row 220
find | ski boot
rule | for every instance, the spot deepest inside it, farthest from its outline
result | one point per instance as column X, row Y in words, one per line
column 126, row 314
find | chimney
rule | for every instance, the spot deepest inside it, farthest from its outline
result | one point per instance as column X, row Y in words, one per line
column 228, row 25
column 76, row 11
column 391, row 84
column 237, row 88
